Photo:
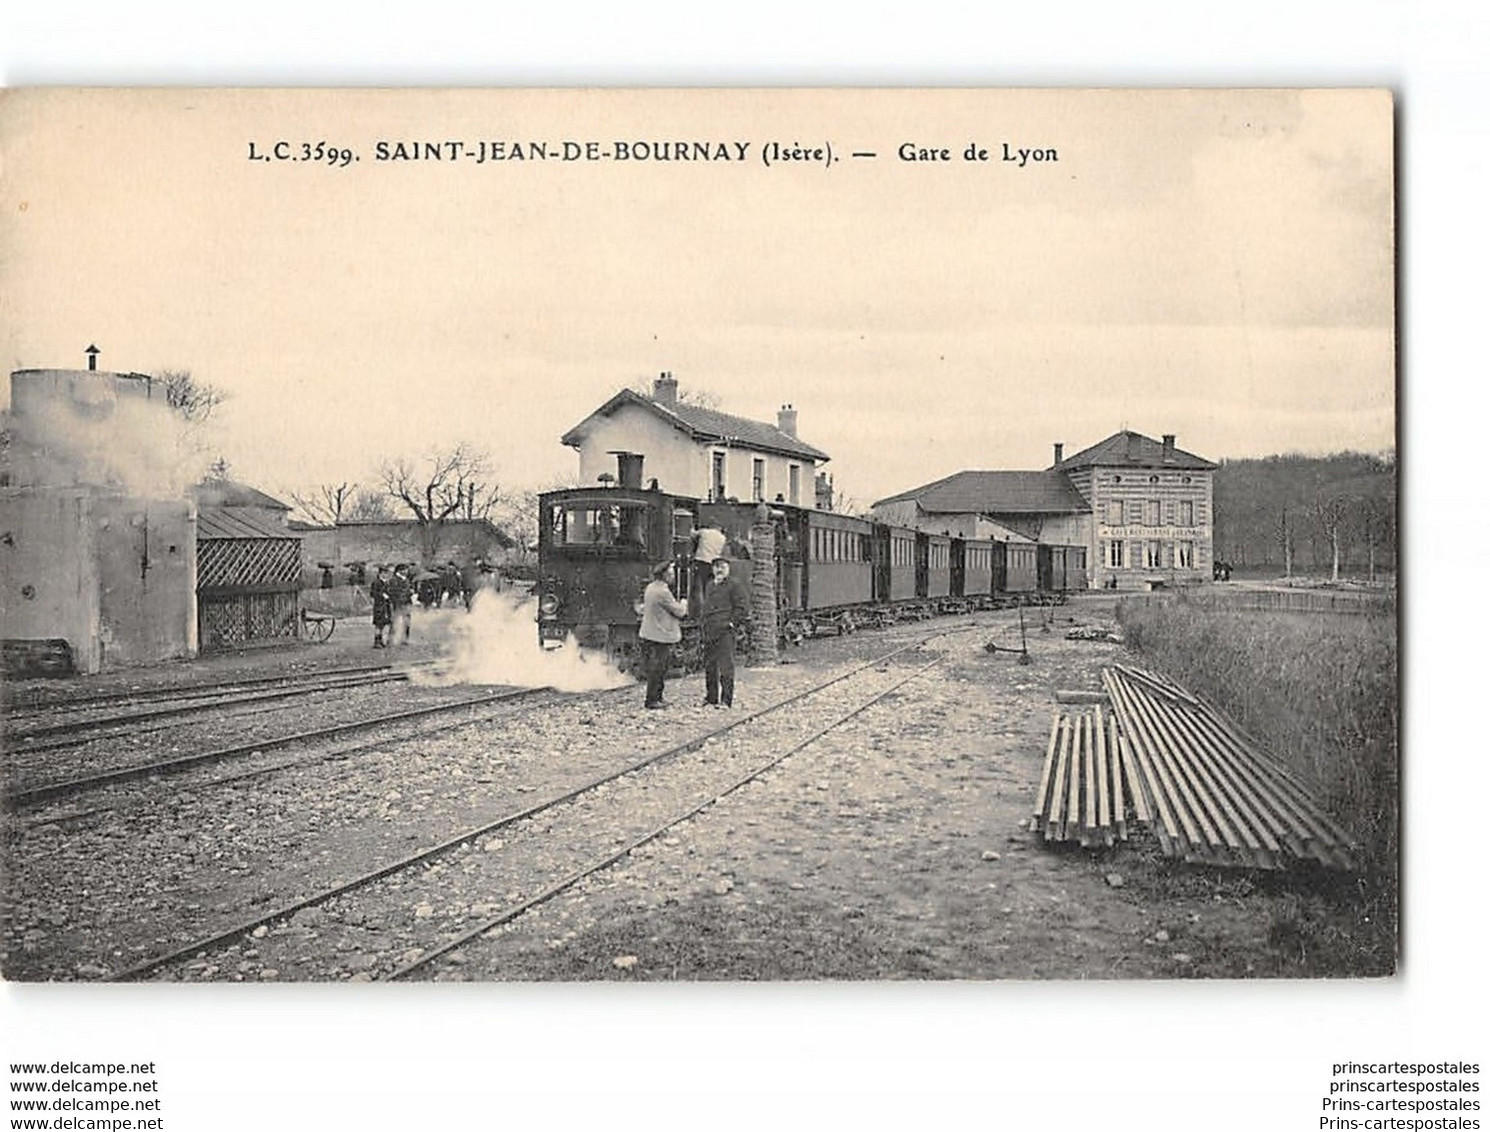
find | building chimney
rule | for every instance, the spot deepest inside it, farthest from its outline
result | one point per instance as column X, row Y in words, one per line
column 1135, row 447
column 786, row 420
column 92, row 352
column 1168, row 447
column 665, row 388
column 1060, row 451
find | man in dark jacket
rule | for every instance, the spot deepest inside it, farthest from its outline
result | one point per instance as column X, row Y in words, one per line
column 382, row 611
column 401, row 602
column 725, row 606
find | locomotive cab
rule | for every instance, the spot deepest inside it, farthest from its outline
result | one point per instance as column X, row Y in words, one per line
column 596, row 547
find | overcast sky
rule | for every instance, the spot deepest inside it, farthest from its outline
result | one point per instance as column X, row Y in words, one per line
column 1217, row 265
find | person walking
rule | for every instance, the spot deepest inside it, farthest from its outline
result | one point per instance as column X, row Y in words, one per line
column 725, row 606
column 661, row 629
column 382, row 607
column 401, row 602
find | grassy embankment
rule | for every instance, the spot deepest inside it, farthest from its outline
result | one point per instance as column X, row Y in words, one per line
column 1320, row 693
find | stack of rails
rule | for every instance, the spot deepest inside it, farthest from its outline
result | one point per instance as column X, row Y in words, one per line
column 1210, row 795
column 1087, row 782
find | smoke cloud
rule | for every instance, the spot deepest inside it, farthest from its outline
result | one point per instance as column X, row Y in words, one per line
column 127, row 443
column 497, row 643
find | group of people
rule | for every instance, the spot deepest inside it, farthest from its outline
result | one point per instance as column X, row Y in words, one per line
column 393, row 594
column 393, row 605
column 721, row 607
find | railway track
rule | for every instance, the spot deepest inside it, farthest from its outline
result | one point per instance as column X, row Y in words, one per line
column 21, row 705
column 48, row 791
column 44, row 737
column 621, row 794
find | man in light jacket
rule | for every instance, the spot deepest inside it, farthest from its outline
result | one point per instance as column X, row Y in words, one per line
column 661, row 629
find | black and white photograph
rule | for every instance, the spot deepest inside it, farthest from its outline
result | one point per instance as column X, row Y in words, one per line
column 764, row 541
column 749, row 535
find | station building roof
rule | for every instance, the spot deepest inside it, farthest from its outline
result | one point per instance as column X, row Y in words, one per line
column 707, row 425
column 996, row 493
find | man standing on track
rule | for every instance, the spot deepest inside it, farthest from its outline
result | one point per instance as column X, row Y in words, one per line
column 725, row 606
column 661, row 629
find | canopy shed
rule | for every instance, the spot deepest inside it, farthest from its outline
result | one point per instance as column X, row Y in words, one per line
column 248, row 579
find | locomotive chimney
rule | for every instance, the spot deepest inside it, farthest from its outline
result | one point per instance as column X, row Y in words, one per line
column 1060, row 451
column 629, row 469
column 786, row 420
column 1168, row 447
column 665, row 388
column 92, row 352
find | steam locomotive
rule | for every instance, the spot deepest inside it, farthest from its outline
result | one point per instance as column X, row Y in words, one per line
column 834, row 573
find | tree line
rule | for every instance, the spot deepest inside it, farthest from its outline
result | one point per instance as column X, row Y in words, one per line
column 1334, row 515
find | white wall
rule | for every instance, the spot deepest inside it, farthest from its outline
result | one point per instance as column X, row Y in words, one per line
column 680, row 464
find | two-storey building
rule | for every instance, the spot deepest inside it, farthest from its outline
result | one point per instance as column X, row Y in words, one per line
column 1142, row 509
column 692, row 450
column 1151, row 506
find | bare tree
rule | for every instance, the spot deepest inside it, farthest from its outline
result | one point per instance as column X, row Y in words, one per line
column 368, row 506
column 1283, row 533
column 454, row 484
column 190, row 399
column 1332, row 512
column 326, row 503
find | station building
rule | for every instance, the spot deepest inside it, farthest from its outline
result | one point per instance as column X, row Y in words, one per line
column 691, row 450
column 1140, row 510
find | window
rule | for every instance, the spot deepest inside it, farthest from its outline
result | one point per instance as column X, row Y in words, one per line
column 758, row 480
column 1153, row 555
column 1114, row 513
column 1184, row 515
column 718, row 477
column 1112, row 554
column 599, row 524
column 1184, row 555
column 794, row 484
column 1153, row 512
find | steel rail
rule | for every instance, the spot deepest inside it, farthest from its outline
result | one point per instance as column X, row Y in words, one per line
column 605, row 862
column 1042, row 796
column 284, row 911
column 19, row 739
column 27, row 703
column 1214, row 829
column 48, row 791
column 334, row 754
column 1251, row 809
column 1154, row 784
